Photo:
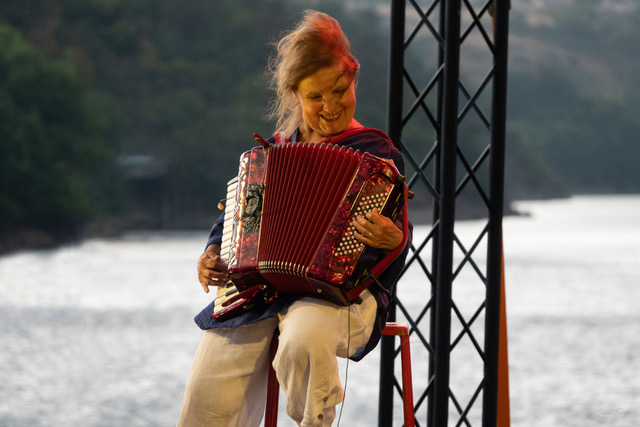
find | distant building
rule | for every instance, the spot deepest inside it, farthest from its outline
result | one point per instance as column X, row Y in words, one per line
column 148, row 199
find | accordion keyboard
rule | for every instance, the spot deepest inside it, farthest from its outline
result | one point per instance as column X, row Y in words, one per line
column 228, row 290
column 349, row 244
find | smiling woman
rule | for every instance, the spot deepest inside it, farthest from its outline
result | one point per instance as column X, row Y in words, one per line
column 314, row 76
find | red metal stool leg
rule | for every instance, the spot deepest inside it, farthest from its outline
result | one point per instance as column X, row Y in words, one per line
column 273, row 389
column 402, row 330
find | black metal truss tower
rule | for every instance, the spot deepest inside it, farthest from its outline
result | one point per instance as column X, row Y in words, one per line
column 450, row 127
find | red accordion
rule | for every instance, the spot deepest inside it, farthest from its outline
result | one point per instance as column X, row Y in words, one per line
column 288, row 222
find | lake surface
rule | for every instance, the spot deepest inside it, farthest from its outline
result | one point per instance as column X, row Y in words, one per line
column 101, row 333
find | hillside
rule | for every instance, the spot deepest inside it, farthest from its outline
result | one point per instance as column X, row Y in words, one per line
column 573, row 95
column 574, row 92
column 166, row 97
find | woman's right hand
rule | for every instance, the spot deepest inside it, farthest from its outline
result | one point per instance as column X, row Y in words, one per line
column 211, row 270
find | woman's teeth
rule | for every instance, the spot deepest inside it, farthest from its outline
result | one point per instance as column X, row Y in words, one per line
column 331, row 117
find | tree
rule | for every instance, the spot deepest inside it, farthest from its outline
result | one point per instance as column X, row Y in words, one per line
column 51, row 153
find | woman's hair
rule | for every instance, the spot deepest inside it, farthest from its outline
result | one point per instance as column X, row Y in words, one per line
column 315, row 43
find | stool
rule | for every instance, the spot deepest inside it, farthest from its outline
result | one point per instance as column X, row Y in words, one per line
column 391, row 329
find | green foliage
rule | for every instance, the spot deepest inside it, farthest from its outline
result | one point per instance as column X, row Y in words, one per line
column 185, row 83
column 574, row 110
column 49, row 147
column 576, row 122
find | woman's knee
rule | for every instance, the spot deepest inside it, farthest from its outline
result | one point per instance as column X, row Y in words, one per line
column 301, row 346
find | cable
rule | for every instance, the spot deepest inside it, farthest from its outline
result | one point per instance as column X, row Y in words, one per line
column 346, row 369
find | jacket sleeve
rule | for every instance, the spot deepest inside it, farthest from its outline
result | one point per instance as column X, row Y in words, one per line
column 215, row 235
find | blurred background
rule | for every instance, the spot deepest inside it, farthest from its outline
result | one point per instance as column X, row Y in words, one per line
column 122, row 120
column 119, row 115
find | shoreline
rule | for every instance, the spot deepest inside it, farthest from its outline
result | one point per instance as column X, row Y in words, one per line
column 31, row 239
column 34, row 239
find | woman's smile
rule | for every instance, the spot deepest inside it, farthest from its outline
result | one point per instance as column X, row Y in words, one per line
column 330, row 118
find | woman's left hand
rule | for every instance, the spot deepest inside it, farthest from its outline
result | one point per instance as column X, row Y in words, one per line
column 377, row 231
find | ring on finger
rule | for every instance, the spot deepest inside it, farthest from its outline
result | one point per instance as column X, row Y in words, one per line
column 370, row 234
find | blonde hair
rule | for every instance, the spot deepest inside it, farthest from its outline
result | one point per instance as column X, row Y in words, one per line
column 316, row 42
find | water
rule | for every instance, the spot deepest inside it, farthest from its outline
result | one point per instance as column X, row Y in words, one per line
column 101, row 334
column 574, row 321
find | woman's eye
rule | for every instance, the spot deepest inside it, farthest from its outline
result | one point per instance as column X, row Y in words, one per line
column 340, row 92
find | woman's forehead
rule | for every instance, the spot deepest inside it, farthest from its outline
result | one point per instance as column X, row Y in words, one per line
column 325, row 79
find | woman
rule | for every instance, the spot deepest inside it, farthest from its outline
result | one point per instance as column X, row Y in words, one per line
column 314, row 76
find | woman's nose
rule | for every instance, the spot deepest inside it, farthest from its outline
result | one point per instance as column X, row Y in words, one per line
column 330, row 104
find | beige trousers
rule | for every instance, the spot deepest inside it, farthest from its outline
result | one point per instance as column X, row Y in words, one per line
column 227, row 382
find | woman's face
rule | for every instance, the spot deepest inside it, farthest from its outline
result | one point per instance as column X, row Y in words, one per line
column 328, row 102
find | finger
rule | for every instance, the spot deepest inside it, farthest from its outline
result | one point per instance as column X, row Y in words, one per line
column 364, row 221
column 213, row 278
column 375, row 216
column 217, row 270
column 382, row 224
column 210, row 261
column 204, row 283
column 362, row 226
column 365, row 235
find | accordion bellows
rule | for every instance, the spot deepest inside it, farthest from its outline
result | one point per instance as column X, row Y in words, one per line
column 290, row 223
